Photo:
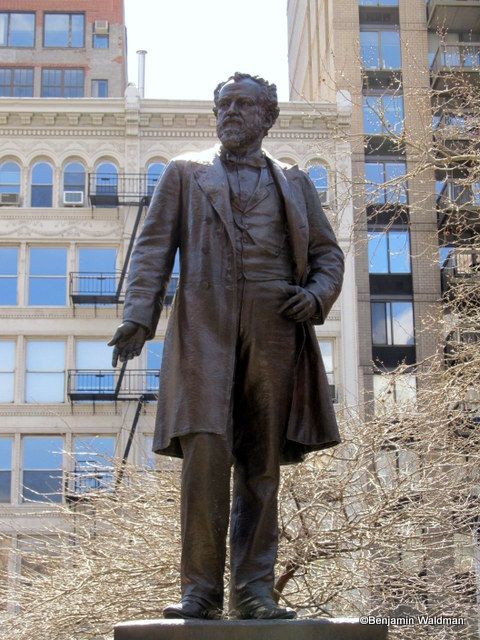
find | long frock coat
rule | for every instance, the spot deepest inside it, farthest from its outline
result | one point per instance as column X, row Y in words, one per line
column 190, row 211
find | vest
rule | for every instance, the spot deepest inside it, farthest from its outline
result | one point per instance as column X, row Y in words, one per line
column 262, row 249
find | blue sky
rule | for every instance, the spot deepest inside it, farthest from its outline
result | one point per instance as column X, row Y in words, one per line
column 194, row 44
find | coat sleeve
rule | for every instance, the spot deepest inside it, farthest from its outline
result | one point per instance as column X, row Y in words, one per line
column 325, row 257
column 154, row 253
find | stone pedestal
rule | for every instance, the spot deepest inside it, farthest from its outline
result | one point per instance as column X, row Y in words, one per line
column 325, row 629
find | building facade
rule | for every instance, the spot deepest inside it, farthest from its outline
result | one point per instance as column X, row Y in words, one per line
column 76, row 176
column 46, row 51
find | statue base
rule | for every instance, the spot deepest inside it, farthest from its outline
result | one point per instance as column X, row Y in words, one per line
column 323, row 629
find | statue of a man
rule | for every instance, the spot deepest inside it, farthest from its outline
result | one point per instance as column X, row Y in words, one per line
column 242, row 382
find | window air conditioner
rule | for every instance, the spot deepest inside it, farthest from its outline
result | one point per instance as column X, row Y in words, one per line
column 323, row 195
column 73, row 198
column 9, row 198
column 101, row 27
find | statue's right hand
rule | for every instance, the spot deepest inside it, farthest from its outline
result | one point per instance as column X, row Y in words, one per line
column 128, row 341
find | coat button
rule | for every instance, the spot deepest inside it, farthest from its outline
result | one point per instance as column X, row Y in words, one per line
column 205, row 284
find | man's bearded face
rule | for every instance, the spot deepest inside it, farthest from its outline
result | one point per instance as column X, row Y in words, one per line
column 241, row 118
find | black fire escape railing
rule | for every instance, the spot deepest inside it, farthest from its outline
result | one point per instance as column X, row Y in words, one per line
column 114, row 189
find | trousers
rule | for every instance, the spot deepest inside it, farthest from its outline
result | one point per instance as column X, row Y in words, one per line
column 261, row 401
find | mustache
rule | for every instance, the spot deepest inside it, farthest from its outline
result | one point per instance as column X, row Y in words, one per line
column 231, row 120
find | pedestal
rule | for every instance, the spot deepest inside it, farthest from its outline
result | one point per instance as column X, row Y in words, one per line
column 324, row 629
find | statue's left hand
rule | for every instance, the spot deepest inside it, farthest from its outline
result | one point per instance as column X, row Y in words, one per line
column 301, row 306
column 127, row 341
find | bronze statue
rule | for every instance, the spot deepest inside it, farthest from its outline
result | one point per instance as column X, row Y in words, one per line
column 242, row 381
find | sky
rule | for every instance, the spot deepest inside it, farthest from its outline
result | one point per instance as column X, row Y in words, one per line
column 195, row 44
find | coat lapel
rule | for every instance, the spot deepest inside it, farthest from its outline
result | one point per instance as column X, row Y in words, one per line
column 212, row 180
column 296, row 222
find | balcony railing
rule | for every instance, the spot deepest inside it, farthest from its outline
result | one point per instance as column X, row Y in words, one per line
column 462, row 126
column 108, row 385
column 454, row 194
column 462, row 267
column 112, row 190
column 94, row 287
column 458, row 56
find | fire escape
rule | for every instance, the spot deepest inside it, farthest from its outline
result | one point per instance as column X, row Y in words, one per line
column 95, row 288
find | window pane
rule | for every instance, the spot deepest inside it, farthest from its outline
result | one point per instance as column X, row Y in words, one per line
column 154, row 173
column 7, row 368
column 100, row 41
column 8, row 261
column 406, row 390
column 44, row 355
column 46, row 292
column 22, row 29
column 326, row 349
column 48, row 261
column 383, row 394
column 73, row 80
column 396, row 192
column 93, row 354
column 393, row 114
column 5, row 468
column 99, row 88
column 9, row 178
column 374, row 190
column 399, row 246
column 74, row 177
column 42, row 190
column 377, row 252
column 371, row 114
column 402, row 322
column 56, row 29
column 77, row 30
column 390, row 44
column 42, row 468
column 379, row 328
column 93, row 462
column 23, row 83
column 44, row 387
column 3, row 29
column 51, row 83
column 154, row 354
column 369, row 49
column 318, row 175
column 91, row 259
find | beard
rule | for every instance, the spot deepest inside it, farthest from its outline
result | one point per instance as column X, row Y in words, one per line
column 236, row 135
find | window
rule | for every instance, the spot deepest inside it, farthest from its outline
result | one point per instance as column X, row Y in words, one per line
column 62, row 83
column 8, row 275
column 378, row 3
column 17, row 83
column 390, row 391
column 389, row 251
column 380, row 49
column 154, row 351
column 42, row 469
column 7, row 370
column 93, row 462
column 154, row 173
column 319, row 176
column 106, row 177
column 5, row 468
column 383, row 114
column 385, row 182
column 326, row 349
column 101, row 41
column 45, row 371
column 392, row 323
column 74, row 178
column 9, row 177
column 47, row 283
column 42, row 185
column 63, row 30
column 94, row 357
column 97, row 270
column 99, row 88
column 17, row 29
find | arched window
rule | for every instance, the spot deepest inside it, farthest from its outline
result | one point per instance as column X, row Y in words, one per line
column 42, row 185
column 106, row 179
column 9, row 183
column 73, row 184
column 154, row 173
column 319, row 176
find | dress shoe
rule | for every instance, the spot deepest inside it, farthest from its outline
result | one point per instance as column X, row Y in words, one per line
column 263, row 609
column 189, row 608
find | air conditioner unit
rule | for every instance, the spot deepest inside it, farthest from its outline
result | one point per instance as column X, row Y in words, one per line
column 73, row 198
column 323, row 195
column 10, row 198
column 101, row 27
